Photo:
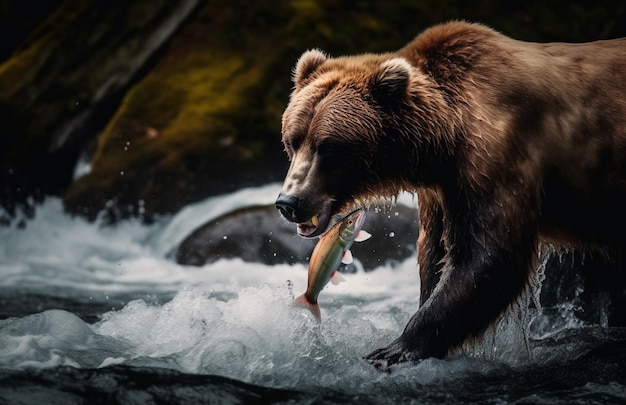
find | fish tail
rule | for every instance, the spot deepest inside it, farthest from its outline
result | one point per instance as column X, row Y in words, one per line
column 303, row 302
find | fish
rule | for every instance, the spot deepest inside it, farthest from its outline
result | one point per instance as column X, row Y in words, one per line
column 331, row 250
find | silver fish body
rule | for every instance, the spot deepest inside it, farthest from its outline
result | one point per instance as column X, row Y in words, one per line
column 332, row 248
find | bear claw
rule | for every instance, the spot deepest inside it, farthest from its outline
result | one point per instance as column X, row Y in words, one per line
column 383, row 359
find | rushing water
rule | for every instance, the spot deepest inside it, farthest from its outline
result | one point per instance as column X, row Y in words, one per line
column 92, row 313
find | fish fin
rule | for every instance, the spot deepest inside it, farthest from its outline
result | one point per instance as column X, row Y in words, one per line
column 303, row 302
column 337, row 278
column 362, row 235
column 347, row 257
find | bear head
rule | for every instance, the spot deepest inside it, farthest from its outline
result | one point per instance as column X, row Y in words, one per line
column 344, row 131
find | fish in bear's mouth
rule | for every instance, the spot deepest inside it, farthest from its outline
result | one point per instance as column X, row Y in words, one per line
column 321, row 223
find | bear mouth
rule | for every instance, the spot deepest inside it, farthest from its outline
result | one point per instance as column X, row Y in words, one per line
column 317, row 224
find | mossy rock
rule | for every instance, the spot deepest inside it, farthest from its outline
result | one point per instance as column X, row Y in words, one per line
column 199, row 123
column 63, row 80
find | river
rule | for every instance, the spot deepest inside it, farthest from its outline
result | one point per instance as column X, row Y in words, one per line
column 98, row 314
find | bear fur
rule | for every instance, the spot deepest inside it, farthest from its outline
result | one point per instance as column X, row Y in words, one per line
column 506, row 144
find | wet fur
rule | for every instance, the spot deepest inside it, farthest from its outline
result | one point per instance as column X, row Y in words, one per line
column 506, row 143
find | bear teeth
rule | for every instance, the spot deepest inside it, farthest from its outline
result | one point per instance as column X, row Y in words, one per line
column 315, row 220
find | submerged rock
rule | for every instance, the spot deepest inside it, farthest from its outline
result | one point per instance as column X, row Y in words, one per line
column 258, row 234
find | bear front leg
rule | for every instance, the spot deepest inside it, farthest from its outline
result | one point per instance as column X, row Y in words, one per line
column 430, row 245
column 431, row 252
column 485, row 270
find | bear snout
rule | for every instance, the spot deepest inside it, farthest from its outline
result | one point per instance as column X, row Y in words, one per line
column 289, row 207
column 312, row 217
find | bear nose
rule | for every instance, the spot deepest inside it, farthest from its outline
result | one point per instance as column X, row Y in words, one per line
column 288, row 205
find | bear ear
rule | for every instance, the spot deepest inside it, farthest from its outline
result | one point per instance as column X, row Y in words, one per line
column 308, row 62
column 393, row 78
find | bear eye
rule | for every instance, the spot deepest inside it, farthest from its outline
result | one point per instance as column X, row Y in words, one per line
column 325, row 148
column 292, row 144
column 290, row 147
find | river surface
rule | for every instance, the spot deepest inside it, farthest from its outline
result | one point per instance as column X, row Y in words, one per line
column 98, row 314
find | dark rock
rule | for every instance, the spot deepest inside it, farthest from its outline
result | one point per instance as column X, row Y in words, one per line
column 394, row 237
column 258, row 234
column 64, row 82
column 18, row 19
column 254, row 234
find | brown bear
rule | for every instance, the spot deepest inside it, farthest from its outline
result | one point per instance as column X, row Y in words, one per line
column 506, row 144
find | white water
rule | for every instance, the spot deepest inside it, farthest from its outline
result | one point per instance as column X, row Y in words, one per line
column 229, row 318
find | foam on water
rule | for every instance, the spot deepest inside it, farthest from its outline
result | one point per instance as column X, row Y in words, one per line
column 256, row 336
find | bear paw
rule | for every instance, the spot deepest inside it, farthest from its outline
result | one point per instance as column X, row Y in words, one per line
column 383, row 359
